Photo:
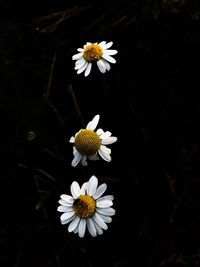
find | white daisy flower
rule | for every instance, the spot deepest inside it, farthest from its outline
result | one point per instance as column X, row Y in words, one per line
column 87, row 143
column 98, row 52
column 86, row 208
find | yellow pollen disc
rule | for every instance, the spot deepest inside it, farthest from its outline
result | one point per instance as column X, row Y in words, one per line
column 84, row 206
column 87, row 142
column 92, row 52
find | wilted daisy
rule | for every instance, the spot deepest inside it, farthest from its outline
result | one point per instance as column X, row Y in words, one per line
column 87, row 143
column 86, row 208
column 94, row 52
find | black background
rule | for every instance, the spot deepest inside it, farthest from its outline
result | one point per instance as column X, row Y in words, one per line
column 149, row 100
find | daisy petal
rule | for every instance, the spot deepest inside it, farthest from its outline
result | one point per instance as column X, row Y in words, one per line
column 109, row 140
column 67, row 215
column 108, row 197
column 100, row 190
column 101, row 66
column 64, row 203
column 97, row 218
column 67, row 198
column 65, row 221
column 79, row 63
column 92, row 186
column 64, row 209
column 76, row 159
column 72, row 139
column 105, row 135
column 104, row 155
column 84, row 188
column 105, row 149
column 103, row 203
column 82, row 68
column 106, row 219
column 81, row 228
column 88, row 69
column 91, row 227
column 99, row 131
column 106, row 211
column 93, row 124
column 109, row 58
column 83, row 161
column 108, row 45
column 77, row 56
column 110, row 52
column 75, row 189
column 73, row 224
column 98, row 228
column 107, row 65
column 102, row 44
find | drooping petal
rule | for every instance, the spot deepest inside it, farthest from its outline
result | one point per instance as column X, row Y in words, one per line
column 105, row 149
column 67, row 215
column 107, row 65
column 67, row 220
column 73, row 224
column 79, row 63
column 104, row 155
column 109, row 140
column 106, row 219
column 84, row 161
column 93, row 124
column 98, row 228
column 109, row 58
column 100, row 190
column 88, row 69
column 97, row 218
column 92, row 185
column 91, row 227
column 76, row 159
column 101, row 66
column 75, row 189
column 82, row 68
column 81, row 228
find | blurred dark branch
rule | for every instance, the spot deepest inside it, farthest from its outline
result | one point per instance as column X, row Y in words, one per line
column 57, row 258
column 50, row 22
column 70, row 89
column 47, row 94
column 51, row 76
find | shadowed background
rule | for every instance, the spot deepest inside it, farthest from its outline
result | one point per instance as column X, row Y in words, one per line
column 148, row 100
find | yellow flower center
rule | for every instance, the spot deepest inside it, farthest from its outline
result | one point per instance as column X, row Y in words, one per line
column 92, row 52
column 87, row 142
column 84, row 206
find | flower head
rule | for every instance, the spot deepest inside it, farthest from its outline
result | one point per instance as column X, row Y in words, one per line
column 86, row 207
column 88, row 143
column 94, row 52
